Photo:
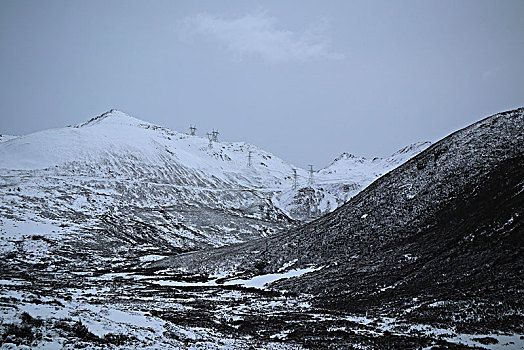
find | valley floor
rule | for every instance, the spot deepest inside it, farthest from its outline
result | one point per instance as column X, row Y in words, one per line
column 159, row 309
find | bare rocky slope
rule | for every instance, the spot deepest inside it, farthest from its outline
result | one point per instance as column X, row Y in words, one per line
column 439, row 239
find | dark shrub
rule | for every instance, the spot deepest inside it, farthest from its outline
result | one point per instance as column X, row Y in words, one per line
column 63, row 324
column 487, row 340
column 116, row 339
column 18, row 333
column 30, row 320
column 80, row 330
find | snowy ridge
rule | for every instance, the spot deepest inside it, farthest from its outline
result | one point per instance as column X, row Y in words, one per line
column 113, row 117
column 350, row 165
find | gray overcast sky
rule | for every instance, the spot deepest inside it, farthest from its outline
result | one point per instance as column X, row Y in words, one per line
column 306, row 80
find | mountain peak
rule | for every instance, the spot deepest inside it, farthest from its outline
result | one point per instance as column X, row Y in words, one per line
column 346, row 156
column 113, row 117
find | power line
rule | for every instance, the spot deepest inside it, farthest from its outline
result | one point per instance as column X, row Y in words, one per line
column 249, row 159
column 295, row 176
column 192, row 130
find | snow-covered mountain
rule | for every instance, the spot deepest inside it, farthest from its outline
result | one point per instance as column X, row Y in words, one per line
column 116, row 173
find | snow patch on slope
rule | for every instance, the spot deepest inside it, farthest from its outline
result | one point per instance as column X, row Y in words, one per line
column 263, row 280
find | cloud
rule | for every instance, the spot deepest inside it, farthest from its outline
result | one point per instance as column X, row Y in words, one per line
column 258, row 35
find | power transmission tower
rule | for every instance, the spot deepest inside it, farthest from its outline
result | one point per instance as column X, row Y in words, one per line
column 295, row 176
column 210, row 138
column 249, row 159
column 215, row 135
column 310, row 174
column 192, row 130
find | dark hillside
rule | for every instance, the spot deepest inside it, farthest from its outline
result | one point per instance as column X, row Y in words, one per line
column 438, row 239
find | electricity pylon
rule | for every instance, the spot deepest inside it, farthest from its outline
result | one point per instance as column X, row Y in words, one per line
column 215, row 133
column 310, row 174
column 210, row 138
